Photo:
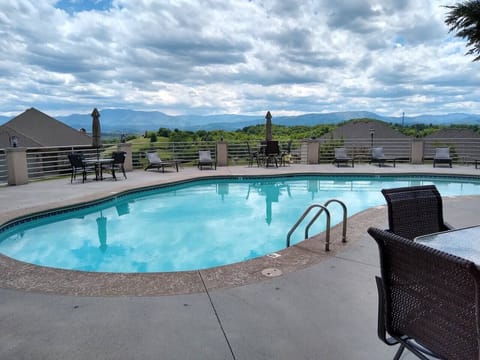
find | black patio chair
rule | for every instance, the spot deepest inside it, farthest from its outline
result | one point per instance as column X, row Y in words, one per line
column 428, row 300
column 285, row 156
column 252, row 156
column 272, row 152
column 415, row 211
column 78, row 165
column 118, row 163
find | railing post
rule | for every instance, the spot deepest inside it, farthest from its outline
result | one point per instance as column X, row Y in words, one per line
column 312, row 152
column 222, row 153
column 417, row 151
column 127, row 149
column 17, row 165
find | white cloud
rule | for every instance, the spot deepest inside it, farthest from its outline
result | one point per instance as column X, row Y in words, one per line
column 237, row 56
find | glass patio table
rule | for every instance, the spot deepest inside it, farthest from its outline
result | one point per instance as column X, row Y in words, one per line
column 99, row 166
column 463, row 242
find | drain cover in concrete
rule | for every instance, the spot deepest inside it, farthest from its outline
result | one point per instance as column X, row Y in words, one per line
column 271, row 272
column 274, row 255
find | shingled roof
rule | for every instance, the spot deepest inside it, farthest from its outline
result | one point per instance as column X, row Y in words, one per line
column 34, row 128
column 360, row 129
column 454, row 134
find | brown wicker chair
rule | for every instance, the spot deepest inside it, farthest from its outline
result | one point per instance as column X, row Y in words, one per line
column 428, row 300
column 415, row 211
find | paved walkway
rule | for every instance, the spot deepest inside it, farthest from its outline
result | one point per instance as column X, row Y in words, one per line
column 324, row 311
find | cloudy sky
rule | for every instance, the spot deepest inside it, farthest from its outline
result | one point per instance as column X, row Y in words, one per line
column 234, row 56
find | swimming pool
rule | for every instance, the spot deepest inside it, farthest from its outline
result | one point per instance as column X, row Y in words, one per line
column 195, row 225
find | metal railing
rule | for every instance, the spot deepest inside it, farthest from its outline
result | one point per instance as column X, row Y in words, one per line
column 3, row 167
column 462, row 151
column 360, row 149
column 49, row 162
column 304, row 215
column 322, row 208
column 187, row 152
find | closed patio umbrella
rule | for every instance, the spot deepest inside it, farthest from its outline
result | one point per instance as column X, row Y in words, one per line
column 268, row 126
column 96, row 131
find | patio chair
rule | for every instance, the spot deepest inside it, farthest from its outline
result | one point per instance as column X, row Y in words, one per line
column 414, row 211
column 285, row 156
column 341, row 157
column 427, row 300
column 205, row 160
column 272, row 152
column 118, row 161
column 78, row 165
column 379, row 157
column 252, row 155
column 154, row 162
column 442, row 156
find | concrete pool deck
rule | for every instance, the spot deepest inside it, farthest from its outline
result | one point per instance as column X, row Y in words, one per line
column 322, row 309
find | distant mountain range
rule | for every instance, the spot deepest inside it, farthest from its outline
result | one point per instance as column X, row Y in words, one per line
column 132, row 121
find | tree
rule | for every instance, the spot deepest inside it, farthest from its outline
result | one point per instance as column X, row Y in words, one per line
column 164, row 132
column 464, row 20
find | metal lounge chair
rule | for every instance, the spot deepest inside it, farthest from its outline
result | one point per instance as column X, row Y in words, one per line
column 205, row 160
column 78, row 165
column 154, row 162
column 427, row 300
column 415, row 211
column 442, row 156
column 379, row 157
column 341, row 157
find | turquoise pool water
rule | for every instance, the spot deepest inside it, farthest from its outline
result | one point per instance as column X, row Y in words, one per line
column 196, row 225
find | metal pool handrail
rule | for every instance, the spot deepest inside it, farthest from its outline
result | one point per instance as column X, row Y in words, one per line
column 344, row 230
column 315, row 217
column 305, row 213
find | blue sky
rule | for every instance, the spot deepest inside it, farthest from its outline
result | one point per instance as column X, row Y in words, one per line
column 234, row 56
column 74, row 6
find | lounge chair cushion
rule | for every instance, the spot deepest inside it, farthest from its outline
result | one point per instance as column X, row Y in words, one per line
column 205, row 156
column 341, row 153
column 377, row 153
column 153, row 158
column 205, row 159
column 442, row 153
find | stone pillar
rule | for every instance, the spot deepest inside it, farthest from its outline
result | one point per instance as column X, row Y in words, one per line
column 222, row 153
column 417, row 151
column 312, row 152
column 127, row 149
column 17, row 166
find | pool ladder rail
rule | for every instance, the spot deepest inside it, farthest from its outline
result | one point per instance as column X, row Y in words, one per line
column 322, row 208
